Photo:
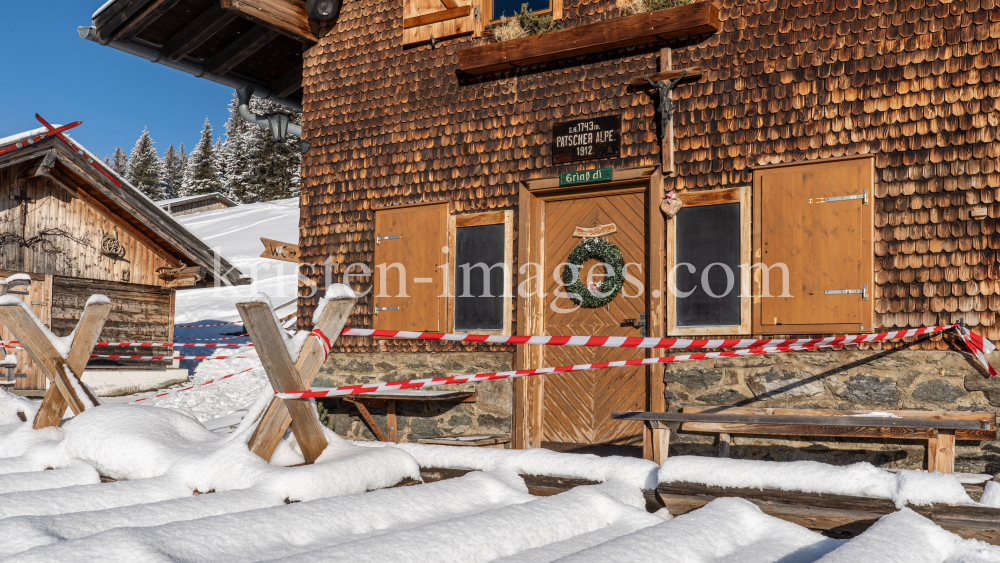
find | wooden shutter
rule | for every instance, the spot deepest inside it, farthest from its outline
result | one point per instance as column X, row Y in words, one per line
column 816, row 218
column 413, row 237
column 441, row 19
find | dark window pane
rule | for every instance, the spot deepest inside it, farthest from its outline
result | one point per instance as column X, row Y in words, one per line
column 705, row 235
column 507, row 8
column 478, row 305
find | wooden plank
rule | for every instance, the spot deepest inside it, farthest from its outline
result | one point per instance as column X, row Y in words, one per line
column 149, row 14
column 390, row 420
column 455, row 441
column 41, row 168
column 86, row 335
column 826, row 512
column 941, row 452
column 674, row 23
column 448, row 396
column 982, row 416
column 276, row 417
column 691, row 74
column 118, row 13
column 803, row 420
column 656, row 441
column 277, row 250
column 281, row 371
column 439, row 16
column 289, row 83
column 287, row 17
column 240, row 49
column 372, row 425
column 210, row 22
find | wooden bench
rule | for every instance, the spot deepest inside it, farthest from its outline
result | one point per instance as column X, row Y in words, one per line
column 387, row 400
column 940, row 429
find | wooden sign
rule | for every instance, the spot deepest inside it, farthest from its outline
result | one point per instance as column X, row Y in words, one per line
column 594, row 232
column 586, row 176
column 278, row 250
column 587, row 139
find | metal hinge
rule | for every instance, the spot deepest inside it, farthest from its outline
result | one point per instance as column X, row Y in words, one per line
column 862, row 196
column 863, row 291
column 476, row 13
column 379, row 239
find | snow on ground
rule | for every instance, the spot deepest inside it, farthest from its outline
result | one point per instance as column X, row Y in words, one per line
column 344, row 507
column 859, row 479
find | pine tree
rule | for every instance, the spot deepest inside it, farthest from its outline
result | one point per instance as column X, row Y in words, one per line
column 172, row 164
column 202, row 174
column 257, row 167
column 182, row 165
column 119, row 162
column 145, row 169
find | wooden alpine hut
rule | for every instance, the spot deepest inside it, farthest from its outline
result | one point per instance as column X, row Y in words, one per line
column 847, row 146
column 77, row 228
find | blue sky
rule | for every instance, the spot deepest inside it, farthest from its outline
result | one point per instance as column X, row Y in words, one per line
column 47, row 68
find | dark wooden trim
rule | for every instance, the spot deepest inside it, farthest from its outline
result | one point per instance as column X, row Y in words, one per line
column 813, row 161
column 451, row 205
column 435, row 17
column 289, row 83
column 150, row 14
column 210, row 22
column 651, row 27
column 287, row 18
column 712, row 197
column 239, row 50
column 692, row 74
column 118, row 14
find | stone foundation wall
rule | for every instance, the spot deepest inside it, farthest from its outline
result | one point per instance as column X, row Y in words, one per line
column 891, row 380
column 490, row 414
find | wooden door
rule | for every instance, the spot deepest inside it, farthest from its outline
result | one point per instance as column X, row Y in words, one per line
column 815, row 220
column 576, row 406
column 39, row 297
column 411, row 248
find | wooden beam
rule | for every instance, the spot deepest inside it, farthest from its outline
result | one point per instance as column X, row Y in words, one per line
column 41, row 168
column 439, row 16
column 287, row 17
column 289, row 83
column 379, row 435
column 210, row 22
column 277, row 417
column 692, row 74
column 114, row 16
column 804, row 420
column 238, row 51
column 270, row 345
column 150, row 14
column 691, row 20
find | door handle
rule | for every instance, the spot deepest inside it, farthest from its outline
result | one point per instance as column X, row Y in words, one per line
column 639, row 324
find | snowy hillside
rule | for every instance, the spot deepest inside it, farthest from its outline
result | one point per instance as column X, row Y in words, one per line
column 235, row 233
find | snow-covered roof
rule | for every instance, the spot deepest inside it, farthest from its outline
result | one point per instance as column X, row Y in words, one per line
column 163, row 203
column 173, row 232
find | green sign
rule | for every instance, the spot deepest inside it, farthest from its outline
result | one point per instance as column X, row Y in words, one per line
column 586, row 176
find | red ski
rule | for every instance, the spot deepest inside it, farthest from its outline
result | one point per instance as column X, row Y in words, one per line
column 79, row 150
column 32, row 140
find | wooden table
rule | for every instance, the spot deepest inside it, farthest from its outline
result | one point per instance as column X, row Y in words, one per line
column 388, row 400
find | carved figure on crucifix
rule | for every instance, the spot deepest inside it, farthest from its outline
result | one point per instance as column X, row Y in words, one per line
column 276, row 349
column 61, row 359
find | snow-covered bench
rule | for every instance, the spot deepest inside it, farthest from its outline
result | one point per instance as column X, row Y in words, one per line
column 940, row 429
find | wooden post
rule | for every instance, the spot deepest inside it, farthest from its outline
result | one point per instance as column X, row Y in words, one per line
column 941, row 451
column 288, row 376
column 667, row 143
column 390, row 420
column 660, row 434
column 724, row 444
column 62, row 393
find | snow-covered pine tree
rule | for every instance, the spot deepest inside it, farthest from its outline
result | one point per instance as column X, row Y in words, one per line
column 145, row 169
column 119, row 162
column 259, row 168
column 172, row 165
column 202, row 174
column 238, row 155
column 183, row 163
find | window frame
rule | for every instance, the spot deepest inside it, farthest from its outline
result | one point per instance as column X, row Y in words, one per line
column 741, row 195
column 505, row 218
column 555, row 10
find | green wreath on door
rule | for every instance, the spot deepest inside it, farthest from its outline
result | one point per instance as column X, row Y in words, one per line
column 597, row 294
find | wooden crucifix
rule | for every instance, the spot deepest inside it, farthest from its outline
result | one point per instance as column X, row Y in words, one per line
column 65, row 387
column 287, row 374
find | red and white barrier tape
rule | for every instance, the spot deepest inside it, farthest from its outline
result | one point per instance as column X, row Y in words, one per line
column 978, row 345
column 202, row 384
column 323, row 341
column 202, row 326
column 640, row 342
column 169, row 357
column 434, row 381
